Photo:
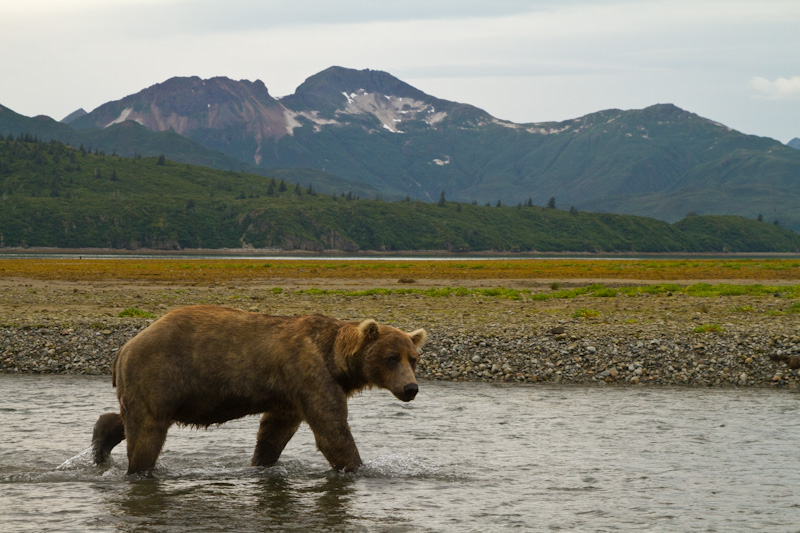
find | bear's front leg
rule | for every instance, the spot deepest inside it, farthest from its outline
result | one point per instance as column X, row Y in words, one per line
column 332, row 434
column 339, row 448
column 275, row 431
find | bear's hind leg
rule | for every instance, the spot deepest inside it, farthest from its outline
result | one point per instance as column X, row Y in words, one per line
column 145, row 439
column 275, row 431
column 108, row 432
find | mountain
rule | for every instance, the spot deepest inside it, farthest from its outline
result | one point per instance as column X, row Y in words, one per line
column 58, row 196
column 375, row 130
column 12, row 123
column 75, row 115
column 240, row 118
column 794, row 143
column 219, row 113
column 339, row 96
column 129, row 138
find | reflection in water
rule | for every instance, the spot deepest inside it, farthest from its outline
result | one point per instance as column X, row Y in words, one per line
column 461, row 456
column 333, row 500
column 276, row 497
column 144, row 501
column 251, row 498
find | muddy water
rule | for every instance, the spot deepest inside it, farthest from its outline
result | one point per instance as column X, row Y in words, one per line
column 461, row 457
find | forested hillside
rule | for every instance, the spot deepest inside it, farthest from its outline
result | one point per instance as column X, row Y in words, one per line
column 60, row 196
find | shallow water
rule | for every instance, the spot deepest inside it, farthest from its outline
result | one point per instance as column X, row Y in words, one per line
column 461, row 457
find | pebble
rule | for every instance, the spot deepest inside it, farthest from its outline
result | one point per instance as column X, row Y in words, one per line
column 736, row 358
column 498, row 341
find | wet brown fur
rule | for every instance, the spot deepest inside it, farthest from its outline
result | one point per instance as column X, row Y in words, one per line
column 204, row 365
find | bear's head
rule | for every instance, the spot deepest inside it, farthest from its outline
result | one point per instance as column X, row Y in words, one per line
column 385, row 356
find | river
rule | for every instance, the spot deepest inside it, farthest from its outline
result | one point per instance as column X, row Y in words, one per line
column 461, row 457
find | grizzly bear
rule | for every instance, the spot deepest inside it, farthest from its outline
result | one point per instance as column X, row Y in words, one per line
column 203, row 365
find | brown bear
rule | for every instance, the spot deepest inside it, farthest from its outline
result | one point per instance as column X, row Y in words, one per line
column 203, row 365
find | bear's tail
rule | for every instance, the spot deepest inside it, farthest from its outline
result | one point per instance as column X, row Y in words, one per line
column 108, row 432
column 792, row 361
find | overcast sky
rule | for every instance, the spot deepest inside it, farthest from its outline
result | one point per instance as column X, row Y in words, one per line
column 734, row 61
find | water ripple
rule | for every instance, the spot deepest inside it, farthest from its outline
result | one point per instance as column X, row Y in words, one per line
column 461, row 457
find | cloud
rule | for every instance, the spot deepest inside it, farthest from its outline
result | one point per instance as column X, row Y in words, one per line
column 777, row 89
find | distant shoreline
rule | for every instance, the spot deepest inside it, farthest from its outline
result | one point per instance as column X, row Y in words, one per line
column 256, row 253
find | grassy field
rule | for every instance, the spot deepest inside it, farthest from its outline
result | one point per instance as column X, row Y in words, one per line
column 746, row 271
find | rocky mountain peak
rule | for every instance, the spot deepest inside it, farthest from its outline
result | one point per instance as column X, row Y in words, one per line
column 199, row 109
column 327, row 91
column 185, row 103
column 75, row 115
column 336, row 92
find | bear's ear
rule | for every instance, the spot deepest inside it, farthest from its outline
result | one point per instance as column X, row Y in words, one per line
column 349, row 339
column 370, row 329
column 418, row 337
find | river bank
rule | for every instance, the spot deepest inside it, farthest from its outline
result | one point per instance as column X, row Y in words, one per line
column 58, row 326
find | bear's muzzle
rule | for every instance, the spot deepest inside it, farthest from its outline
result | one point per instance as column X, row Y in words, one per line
column 409, row 392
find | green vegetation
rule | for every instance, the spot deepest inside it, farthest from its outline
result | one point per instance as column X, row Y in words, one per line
column 701, row 290
column 594, row 290
column 708, row 328
column 135, row 312
column 55, row 195
column 698, row 290
column 499, row 292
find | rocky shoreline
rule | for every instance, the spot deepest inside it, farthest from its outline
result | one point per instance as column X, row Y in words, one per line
column 677, row 340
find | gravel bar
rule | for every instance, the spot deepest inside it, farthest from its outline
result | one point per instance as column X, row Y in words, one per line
column 737, row 341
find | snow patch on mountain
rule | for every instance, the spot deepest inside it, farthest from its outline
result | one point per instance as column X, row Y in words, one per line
column 531, row 128
column 290, row 119
column 121, row 118
column 390, row 110
column 548, row 131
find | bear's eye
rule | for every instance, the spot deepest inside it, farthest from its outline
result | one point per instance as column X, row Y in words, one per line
column 413, row 362
column 393, row 360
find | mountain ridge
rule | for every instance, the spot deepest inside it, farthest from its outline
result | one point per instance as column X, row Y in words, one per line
column 374, row 129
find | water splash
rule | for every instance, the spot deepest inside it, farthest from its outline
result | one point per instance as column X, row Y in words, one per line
column 406, row 467
column 83, row 460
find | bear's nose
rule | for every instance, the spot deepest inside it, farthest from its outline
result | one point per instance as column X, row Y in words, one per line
column 410, row 390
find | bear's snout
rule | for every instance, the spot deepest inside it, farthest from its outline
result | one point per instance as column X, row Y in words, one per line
column 410, row 391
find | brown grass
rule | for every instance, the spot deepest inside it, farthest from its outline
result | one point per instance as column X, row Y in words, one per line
column 216, row 271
